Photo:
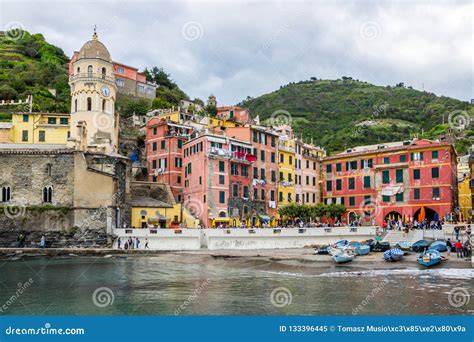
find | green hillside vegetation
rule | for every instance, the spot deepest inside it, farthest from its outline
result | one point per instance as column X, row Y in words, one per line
column 31, row 66
column 344, row 113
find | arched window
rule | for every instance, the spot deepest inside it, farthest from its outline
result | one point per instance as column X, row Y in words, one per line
column 89, row 70
column 47, row 194
column 104, row 104
column 78, row 70
column 89, row 103
column 104, row 71
column 6, row 194
column 75, row 105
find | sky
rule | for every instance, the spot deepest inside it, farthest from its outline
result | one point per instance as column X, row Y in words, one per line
column 236, row 49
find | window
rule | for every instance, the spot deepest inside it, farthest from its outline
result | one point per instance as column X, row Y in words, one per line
column 6, row 194
column 221, row 166
column 26, row 117
column 289, row 197
column 255, row 136
column 78, row 70
column 351, row 183
column 416, row 174
column 89, row 70
column 64, row 121
column 434, row 154
column 280, row 196
column 435, row 172
column 403, row 158
column 282, row 178
column 399, row 197
column 104, row 72
column 262, row 155
column 386, row 199
column 153, row 164
column 352, row 201
column 262, row 194
column 338, row 167
column 42, row 136
column 366, row 182
column 290, row 161
column 200, row 180
column 386, row 160
column 244, row 170
column 154, row 131
column 297, row 198
column 180, row 143
column 367, row 199
column 120, row 83
column 178, row 179
column 51, row 121
column 282, row 158
column 178, row 162
column 273, row 142
column 189, row 168
column 290, row 178
column 255, row 193
column 154, row 146
column 24, row 135
column 262, row 174
column 328, row 185
column 338, row 184
column 89, row 103
column 415, row 156
column 120, row 70
column 352, row 165
column 328, row 168
column 222, row 197
column 272, row 195
column 140, row 88
column 436, row 193
column 47, row 194
column 272, row 158
column 307, row 180
column 163, row 144
column 399, row 176
column 235, row 190
column 416, row 194
column 385, row 177
column 246, row 191
column 273, row 176
column 75, row 105
column 104, row 105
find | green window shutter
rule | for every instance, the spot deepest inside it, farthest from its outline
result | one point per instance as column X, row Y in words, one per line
column 416, row 194
column 338, row 184
column 351, row 183
column 386, row 198
column 385, row 177
column 399, row 176
column 403, row 158
column 221, row 166
column 180, row 143
column 338, row 167
column 416, row 174
column 221, row 196
column 434, row 154
column 328, row 185
column 435, row 172
column 352, row 201
column 366, row 182
column 371, row 163
column 399, row 197
column 163, row 144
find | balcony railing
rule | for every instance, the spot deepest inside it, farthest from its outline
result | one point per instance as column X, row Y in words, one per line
column 92, row 77
column 233, row 155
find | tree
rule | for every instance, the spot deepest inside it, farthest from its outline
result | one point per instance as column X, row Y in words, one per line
column 318, row 211
column 211, row 110
column 7, row 93
column 335, row 210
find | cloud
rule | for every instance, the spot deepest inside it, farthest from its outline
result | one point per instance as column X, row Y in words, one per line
column 251, row 48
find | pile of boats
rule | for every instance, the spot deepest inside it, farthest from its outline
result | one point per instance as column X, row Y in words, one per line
column 344, row 251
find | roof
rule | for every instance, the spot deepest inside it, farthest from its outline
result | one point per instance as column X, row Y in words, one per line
column 148, row 202
column 94, row 49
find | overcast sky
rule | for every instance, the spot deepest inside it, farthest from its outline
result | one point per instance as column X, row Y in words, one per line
column 240, row 48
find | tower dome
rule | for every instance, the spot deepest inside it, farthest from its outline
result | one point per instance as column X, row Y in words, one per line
column 94, row 49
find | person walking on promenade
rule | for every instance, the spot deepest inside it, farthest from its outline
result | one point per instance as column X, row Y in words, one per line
column 42, row 242
column 456, row 231
column 449, row 246
column 458, row 247
column 146, row 244
column 467, row 248
column 119, row 242
column 137, row 242
column 468, row 231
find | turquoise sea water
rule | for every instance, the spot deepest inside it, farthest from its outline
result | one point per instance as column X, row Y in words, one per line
column 159, row 286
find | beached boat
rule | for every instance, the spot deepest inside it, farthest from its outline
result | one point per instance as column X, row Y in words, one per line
column 362, row 250
column 420, row 246
column 404, row 245
column 343, row 257
column 439, row 246
column 370, row 243
column 381, row 246
column 393, row 254
column 429, row 258
column 323, row 250
column 342, row 243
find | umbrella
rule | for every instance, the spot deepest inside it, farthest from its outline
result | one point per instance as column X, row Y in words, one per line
column 421, row 215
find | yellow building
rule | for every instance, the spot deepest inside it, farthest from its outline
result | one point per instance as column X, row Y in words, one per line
column 39, row 128
column 465, row 197
column 286, row 169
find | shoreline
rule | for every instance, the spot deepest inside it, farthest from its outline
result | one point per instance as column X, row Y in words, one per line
column 276, row 259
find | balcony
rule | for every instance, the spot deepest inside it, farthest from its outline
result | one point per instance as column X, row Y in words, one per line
column 286, row 148
column 92, row 77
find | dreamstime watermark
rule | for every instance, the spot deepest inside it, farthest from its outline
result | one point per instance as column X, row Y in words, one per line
column 459, row 119
column 281, row 297
column 195, row 207
column 458, row 296
column 102, row 297
column 14, row 211
column 369, row 30
column 103, row 120
column 280, row 117
column 22, row 287
column 14, row 30
column 368, row 299
column 378, row 110
column 192, row 30
column 191, row 298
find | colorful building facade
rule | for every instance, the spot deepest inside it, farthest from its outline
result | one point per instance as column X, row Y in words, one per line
column 307, row 172
column 393, row 181
column 39, row 128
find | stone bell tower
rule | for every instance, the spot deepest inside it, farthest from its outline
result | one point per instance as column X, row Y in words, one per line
column 94, row 124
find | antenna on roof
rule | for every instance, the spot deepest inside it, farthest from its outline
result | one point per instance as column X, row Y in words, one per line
column 94, row 36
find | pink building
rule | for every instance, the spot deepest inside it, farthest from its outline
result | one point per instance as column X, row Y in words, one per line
column 234, row 113
column 164, row 153
column 215, row 181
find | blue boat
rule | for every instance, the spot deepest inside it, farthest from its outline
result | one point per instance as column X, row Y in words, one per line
column 343, row 257
column 342, row 243
column 440, row 246
column 393, row 254
column 420, row 245
column 362, row 250
column 429, row 258
column 404, row 245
